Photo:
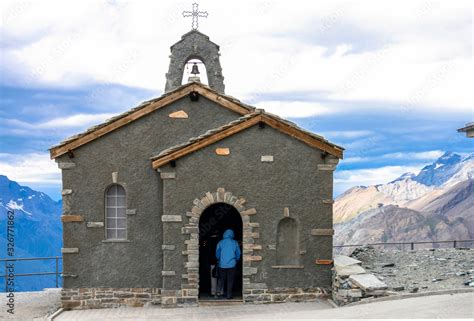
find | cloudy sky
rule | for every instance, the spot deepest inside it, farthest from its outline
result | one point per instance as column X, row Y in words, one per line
column 391, row 81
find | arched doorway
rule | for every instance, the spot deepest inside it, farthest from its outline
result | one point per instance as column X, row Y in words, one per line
column 214, row 221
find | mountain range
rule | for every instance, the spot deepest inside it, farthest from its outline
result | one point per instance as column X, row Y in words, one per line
column 38, row 233
column 435, row 204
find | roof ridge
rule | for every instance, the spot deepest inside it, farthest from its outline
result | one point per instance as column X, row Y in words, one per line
column 142, row 105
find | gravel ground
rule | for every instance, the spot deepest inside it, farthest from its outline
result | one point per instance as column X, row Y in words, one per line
column 31, row 305
column 420, row 270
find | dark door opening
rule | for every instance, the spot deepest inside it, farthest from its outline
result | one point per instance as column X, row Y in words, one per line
column 214, row 221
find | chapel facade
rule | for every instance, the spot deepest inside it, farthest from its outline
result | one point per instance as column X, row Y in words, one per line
column 146, row 194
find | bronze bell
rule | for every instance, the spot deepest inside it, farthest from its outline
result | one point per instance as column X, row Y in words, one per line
column 195, row 70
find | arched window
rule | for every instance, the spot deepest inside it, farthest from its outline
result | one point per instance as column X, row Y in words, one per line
column 287, row 249
column 115, row 213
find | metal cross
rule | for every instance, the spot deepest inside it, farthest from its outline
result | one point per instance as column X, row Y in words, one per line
column 195, row 14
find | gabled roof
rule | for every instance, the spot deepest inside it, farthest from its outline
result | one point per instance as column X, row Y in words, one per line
column 468, row 127
column 244, row 122
column 144, row 109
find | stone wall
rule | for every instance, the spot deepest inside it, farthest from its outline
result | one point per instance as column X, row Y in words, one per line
column 351, row 283
column 94, row 298
column 279, row 295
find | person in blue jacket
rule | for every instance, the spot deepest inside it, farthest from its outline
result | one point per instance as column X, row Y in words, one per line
column 227, row 254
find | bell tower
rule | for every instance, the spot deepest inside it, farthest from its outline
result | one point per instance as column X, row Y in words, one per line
column 195, row 45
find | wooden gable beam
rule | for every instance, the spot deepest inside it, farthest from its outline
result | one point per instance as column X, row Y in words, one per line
column 63, row 149
column 221, row 100
column 206, row 142
column 278, row 125
column 305, row 138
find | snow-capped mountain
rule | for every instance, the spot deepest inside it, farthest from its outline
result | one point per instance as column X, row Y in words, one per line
column 443, row 169
column 38, row 231
column 440, row 196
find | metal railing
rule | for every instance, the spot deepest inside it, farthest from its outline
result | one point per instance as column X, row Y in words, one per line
column 455, row 244
column 57, row 273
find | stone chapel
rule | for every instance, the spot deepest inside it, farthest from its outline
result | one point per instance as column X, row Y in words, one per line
column 145, row 192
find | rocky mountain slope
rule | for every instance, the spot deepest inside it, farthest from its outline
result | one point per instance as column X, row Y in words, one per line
column 38, row 231
column 436, row 204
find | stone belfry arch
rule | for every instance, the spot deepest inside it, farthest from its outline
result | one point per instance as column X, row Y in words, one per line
column 195, row 45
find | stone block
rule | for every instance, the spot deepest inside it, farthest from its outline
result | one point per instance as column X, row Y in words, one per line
column 367, row 282
column 198, row 204
column 345, row 271
column 250, row 211
column 94, row 224
column 196, row 210
column 193, row 265
column 252, row 258
column 171, row 218
column 249, row 270
column 343, row 260
column 355, row 293
column 168, row 273
column 267, row 158
column 280, row 297
column 66, row 165
column 69, row 250
column 168, row 247
column 326, row 167
column 220, row 194
column 68, row 305
column 210, row 198
column 254, row 286
column 65, row 192
column 131, row 211
column 328, row 201
column 303, row 297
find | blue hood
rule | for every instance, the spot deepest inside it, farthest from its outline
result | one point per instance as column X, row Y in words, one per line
column 228, row 251
column 229, row 234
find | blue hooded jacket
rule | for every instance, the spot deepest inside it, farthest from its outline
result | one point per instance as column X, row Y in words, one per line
column 228, row 251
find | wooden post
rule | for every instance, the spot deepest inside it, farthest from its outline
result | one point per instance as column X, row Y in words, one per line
column 57, row 271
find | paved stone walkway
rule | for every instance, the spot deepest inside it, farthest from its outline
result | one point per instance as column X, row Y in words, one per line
column 437, row 306
column 31, row 305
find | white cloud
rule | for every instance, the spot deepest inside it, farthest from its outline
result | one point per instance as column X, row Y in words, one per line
column 351, row 134
column 294, row 109
column 414, row 54
column 410, row 156
column 346, row 179
column 30, row 168
column 429, row 155
column 75, row 121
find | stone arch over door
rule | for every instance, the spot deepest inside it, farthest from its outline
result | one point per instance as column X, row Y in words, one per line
column 250, row 259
